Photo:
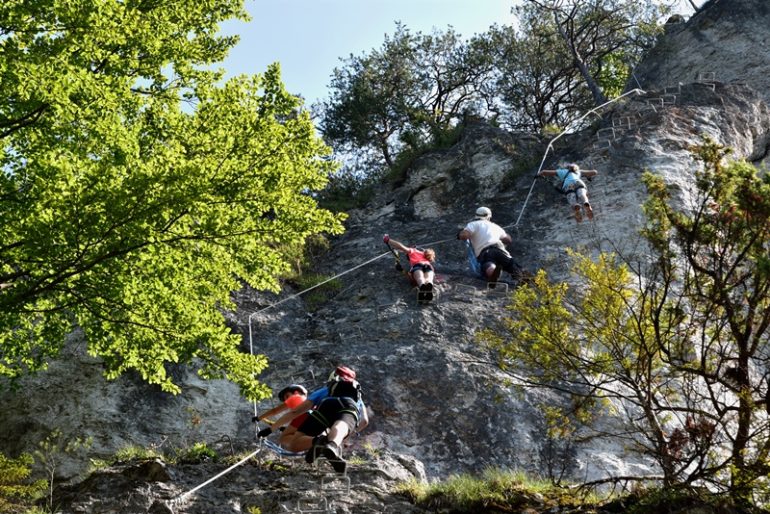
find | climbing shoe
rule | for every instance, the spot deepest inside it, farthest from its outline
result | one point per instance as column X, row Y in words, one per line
column 331, row 452
column 578, row 214
column 426, row 293
column 589, row 212
column 315, row 450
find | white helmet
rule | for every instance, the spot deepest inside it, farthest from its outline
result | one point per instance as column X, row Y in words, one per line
column 483, row 213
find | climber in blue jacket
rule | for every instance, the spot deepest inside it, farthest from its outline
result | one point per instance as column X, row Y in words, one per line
column 575, row 189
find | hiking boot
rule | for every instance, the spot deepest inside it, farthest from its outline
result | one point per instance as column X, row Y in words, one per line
column 578, row 214
column 331, row 452
column 589, row 212
column 315, row 448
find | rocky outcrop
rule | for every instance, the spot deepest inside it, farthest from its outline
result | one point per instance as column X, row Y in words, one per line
column 439, row 404
column 725, row 42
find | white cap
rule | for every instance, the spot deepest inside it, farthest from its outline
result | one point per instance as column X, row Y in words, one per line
column 483, row 213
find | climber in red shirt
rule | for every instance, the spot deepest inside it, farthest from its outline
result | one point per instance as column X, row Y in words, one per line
column 420, row 267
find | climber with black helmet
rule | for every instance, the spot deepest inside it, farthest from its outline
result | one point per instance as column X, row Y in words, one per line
column 336, row 407
column 420, row 267
column 342, row 413
column 575, row 189
column 488, row 241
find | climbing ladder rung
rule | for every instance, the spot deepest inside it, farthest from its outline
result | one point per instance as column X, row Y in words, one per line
column 465, row 288
column 315, row 506
column 655, row 102
column 605, row 133
column 673, row 90
column 497, row 287
column 332, row 483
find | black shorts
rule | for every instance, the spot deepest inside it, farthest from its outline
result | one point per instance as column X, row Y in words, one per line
column 421, row 267
column 327, row 413
column 494, row 255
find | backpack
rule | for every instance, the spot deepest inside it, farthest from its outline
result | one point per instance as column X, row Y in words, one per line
column 344, row 388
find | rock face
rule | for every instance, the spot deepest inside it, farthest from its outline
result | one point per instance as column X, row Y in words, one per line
column 725, row 41
column 438, row 403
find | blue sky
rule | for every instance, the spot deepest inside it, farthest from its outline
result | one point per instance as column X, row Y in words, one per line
column 308, row 37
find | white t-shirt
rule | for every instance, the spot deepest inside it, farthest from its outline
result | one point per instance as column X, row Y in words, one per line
column 484, row 233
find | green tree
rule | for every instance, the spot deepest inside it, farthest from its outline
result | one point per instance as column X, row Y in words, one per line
column 402, row 95
column 137, row 191
column 605, row 38
column 534, row 83
column 17, row 491
column 674, row 348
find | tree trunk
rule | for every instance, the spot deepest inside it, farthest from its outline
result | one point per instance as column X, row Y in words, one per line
column 593, row 86
column 742, row 434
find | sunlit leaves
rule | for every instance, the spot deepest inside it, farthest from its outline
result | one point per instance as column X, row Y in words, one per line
column 138, row 190
column 674, row 345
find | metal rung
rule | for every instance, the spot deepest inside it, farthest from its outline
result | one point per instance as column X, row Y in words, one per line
column 709, row 85
column 496, row 288
column 673, row 90
column 470, row 289
column 307, row 506
column 605, row 133
column 669, row 99
column 626, row 122
column 344, row 478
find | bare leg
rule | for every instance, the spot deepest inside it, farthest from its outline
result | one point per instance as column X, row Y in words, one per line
column 419, row 277
column 493, row 273
column 338, row 432
column 578, row 214
column 299, row 443
column 331, row 450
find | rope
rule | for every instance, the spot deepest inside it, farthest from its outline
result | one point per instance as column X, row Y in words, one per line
column 179, row 499
column 550, row 145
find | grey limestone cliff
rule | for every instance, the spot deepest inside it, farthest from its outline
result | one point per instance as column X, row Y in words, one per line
column 439, row 405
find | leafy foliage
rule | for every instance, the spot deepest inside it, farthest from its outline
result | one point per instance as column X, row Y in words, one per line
column 674, row 348
column 320, row 288
column 494, row 491
column 603, row 39
column 403, row 95
column 137, row 192
column 17, row 491
column 198, row 452
column 562, row 57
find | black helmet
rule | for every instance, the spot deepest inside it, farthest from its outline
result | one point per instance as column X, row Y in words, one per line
column 293, row 388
